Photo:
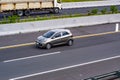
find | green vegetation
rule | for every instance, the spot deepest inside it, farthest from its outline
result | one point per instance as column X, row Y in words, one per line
column 16, row 19
column 78, row 0
column 114, row 9
column 38, row 18
column 94, row 11
column 13, row 19
column 104, row 11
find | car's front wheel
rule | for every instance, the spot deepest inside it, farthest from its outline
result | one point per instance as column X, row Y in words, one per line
column 48, row 46
column 37, row 46
column 70, row 42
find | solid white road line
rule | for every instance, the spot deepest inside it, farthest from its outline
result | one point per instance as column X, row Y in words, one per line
column 68, row 67
column 32, row 57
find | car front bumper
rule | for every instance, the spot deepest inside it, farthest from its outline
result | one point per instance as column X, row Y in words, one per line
column 38, row 44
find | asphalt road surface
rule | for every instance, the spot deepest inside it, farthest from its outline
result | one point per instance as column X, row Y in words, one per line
column 102, row 52
column 77, row 31
column 89, row 56
column 12, row 53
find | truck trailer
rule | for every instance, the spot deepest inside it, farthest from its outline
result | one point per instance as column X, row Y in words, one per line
column 25, row 7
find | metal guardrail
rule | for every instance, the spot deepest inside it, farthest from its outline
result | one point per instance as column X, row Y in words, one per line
column 107, row 76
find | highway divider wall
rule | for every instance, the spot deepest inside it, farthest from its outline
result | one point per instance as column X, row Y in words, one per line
column 89, row 4
column 16, row 28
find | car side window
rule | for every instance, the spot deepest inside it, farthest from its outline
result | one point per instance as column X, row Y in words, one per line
column 57, row 35
column 65, row 33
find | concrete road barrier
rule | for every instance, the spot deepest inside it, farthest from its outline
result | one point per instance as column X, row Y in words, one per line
column 89, row 4
column 16, row 28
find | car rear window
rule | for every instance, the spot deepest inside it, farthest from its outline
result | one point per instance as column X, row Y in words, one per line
column 65, row 33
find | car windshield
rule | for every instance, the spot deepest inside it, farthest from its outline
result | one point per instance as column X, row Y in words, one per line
column 48, row 34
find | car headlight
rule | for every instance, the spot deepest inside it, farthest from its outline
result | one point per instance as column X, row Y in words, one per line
column 42, row 41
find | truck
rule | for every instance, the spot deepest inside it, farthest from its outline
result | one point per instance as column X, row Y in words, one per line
column 25, row 7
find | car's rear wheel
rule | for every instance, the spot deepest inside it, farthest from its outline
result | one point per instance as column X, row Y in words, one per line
column 20, row 13
column 70, row 43
column 48, row 46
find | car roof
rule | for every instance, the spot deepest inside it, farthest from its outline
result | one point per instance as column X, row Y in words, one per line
column 60, row 30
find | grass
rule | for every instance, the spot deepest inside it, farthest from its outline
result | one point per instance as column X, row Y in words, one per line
column 38, row 18
column 78, row 0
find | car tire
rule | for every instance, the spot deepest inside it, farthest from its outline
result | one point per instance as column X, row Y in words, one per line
column 70, row 43
column 27, row 12
column 56, row 10
column 48, row 46
column 37, row 46
column 20, row 13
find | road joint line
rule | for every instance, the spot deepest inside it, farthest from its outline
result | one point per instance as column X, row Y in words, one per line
column 98, row 34
column 19, row 45
column 64, row 68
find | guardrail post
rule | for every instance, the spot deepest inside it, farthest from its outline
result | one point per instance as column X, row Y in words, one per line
column 117, row 27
